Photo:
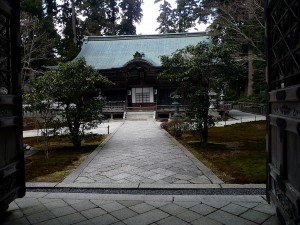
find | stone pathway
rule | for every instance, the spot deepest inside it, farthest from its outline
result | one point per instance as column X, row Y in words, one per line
column 141, row 154
column 86, row 209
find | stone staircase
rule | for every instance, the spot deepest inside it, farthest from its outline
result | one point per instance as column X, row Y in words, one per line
column 143, row 115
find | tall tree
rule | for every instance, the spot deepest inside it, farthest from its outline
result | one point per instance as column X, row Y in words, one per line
column 69, row 45
column 76, row 87
column 241, row 23
column 196, row 69
column 166, row 18
column 185, row 13
column 35, row 46
column 33, row 7
column 131, row 13
column 94, row 12
column 112, row 14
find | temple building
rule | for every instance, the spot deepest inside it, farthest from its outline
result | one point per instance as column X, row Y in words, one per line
column 133, row 64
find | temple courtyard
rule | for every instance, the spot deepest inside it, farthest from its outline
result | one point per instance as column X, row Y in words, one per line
column 141, row 175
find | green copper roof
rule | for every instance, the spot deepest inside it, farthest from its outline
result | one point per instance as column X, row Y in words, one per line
column 117, row 51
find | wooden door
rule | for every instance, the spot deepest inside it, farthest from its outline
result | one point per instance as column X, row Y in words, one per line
column 12, row 182
column 283, row 75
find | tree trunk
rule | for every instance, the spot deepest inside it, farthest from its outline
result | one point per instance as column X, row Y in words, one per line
column 250, row 72
column 74, row 23
column 76, row 141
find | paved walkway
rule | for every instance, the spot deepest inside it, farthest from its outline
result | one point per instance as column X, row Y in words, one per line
column 141, row 154
column 86, row 209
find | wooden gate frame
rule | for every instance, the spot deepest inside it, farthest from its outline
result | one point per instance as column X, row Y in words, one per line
column 12, row 174
column 283, row 77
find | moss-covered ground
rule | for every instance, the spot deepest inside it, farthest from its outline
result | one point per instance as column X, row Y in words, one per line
column 236, row 153
column 61, row 160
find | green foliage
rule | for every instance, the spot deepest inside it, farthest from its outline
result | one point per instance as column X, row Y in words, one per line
column 70, row 95
column 33, row 7
column 196, row 69
column 175, row 127
column 255, row 98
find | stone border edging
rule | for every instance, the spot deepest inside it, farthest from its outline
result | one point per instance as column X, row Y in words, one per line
column 73, row 176
column 206, row 171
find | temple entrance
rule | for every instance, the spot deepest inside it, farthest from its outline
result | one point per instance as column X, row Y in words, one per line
column 142, row 97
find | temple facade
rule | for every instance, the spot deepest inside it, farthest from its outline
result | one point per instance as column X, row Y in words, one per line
column 133, row 63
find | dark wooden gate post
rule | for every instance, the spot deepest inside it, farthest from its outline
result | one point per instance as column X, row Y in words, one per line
column 12, row 179
column 283, row 76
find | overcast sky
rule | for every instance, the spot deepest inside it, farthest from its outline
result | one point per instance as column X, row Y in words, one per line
column 151, row 12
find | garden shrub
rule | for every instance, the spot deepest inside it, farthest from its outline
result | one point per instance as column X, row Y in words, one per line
column 175, row 127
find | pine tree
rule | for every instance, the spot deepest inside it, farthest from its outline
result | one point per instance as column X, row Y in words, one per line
column 131, row 13
column 166, row 18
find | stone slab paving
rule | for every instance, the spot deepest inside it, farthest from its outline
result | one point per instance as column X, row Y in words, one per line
column 140, row 153
column 81, row 208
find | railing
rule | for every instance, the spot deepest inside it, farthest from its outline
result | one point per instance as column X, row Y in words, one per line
column 114, row 107
column 251, row 107
column 170, row 108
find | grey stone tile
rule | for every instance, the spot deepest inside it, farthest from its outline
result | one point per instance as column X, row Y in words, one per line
column 114, row 206
column 100, row 203
column 170, row 179
column 120, row 176
column 173, row 209
column 139, row 219
column 55, row 204
column 63, row 211
column 50, row 222
column 123, row 213
column 216, row 203
column 130, row 203
column 172, row 220
column 34, row 209
column 84, row 205
column 200, row 180
column 207, row 221
column 234, row 209
column 228, row 219
column 94, row 212
column 104, row 220
column 26, row 202
column 255, row 216
column 146, row 218
column 13, row 206
column 203, row 209
column 119, row 223
column 265, row 208
column 157, row 204
column 40, row 217
column 157, row 177
column 189, row 216
column 73, row 201
column 72, row 219
column 272, row 221
column 186, row 204
column 247, row 204
column 141, row 208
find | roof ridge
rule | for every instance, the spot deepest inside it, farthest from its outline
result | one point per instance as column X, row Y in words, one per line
column 144, row 36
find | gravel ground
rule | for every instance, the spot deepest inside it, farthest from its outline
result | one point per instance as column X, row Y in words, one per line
column 204, row 191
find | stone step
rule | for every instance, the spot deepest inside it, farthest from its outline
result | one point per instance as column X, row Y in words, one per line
column 139, row 115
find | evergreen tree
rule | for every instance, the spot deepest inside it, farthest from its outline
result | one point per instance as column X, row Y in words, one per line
column 131, row 13
column 185, row 13
column 32, row 7
column 166, row 18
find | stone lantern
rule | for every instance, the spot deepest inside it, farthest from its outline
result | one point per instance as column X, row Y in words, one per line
column 212, row 98
column 176, row 103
